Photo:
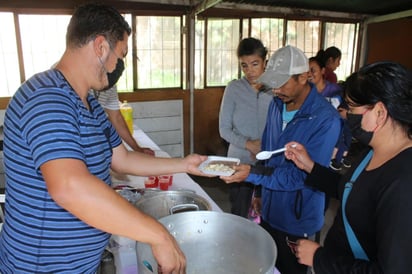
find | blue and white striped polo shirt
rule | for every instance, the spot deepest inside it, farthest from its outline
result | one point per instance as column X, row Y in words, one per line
column 47, row 120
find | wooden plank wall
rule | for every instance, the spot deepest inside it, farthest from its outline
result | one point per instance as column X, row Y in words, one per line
column 390, row 40
column 206, row 122
column 162, row 121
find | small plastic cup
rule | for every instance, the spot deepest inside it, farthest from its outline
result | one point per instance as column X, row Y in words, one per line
column 156, row 179
column 163, row 183
column 150, row 182
column 168, row 177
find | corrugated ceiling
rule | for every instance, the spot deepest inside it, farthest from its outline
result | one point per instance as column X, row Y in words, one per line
column 372, row 7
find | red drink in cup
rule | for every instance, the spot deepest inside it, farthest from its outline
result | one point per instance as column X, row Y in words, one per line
column 163, row 183
column 156, row 180
column 168, row 177
column 150, row 182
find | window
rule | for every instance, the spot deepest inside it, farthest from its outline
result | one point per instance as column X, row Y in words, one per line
column 304, row 35
column 39, row 34
column 222, row 40
column 125, row 83
column 9, row 62
column 158, row 41
column 344, row 37
column 269, row 31
column 157, row 58
column 199, row 61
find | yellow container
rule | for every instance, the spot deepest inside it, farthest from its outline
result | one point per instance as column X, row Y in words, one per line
column 127, row 112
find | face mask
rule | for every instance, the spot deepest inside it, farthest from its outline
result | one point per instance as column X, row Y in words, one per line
column 114, row 76
column 355, row 125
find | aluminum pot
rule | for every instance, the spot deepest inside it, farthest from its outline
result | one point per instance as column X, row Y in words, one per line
column 216, row 242
column 163, row 203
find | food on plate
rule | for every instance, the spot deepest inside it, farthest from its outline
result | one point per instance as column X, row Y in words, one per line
column 220, row 166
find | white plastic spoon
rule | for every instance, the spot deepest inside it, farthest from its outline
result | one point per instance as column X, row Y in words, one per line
column 263, row 155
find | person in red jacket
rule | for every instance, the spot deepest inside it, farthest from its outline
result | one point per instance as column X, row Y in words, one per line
column 331, row 57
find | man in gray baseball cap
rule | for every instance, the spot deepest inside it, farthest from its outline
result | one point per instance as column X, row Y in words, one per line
column 291, row 210
column 284, row 63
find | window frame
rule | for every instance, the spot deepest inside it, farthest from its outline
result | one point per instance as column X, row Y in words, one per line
column 244, row 27
column 321, row 41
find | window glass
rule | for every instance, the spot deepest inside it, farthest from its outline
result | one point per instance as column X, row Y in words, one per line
column 245, row 28
column 269, row 31
column 184, row 51
column 158, row 40
column 199, row 54
column 125, row 83
column 9, row 62
column 304, row 35
column 222, row 40
column 39, row 34
column 344, row 37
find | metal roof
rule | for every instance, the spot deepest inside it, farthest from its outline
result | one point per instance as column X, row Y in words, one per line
column 372, row 7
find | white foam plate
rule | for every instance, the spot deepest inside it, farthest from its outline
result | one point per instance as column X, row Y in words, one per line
column 219, row 166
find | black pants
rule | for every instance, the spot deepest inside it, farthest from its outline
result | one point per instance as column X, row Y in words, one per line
column 240, row 196
column 286, row 261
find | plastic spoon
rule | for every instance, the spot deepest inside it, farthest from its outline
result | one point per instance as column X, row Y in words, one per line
column 263, row 155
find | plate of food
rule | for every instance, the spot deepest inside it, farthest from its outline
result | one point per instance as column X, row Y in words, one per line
column 219, row 166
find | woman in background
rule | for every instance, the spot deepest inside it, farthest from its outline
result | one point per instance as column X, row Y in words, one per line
column 242, row 116
column 331, row 57
column 333, row 93
column 371, row 232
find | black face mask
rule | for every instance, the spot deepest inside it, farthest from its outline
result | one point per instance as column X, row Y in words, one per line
column 114, row 76
column 355, row 125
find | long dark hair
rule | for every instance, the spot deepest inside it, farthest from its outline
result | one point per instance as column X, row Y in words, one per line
column 322, row 56
column 386, row 82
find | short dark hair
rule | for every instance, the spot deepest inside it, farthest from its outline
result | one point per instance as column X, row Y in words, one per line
column 250, row 46
column 91, row 20
column 386, row 82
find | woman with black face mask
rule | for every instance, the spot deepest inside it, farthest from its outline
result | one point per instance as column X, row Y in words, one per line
column 371, row 232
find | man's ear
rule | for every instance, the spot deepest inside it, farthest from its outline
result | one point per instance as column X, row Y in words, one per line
column 303, row 78
column 100, row 45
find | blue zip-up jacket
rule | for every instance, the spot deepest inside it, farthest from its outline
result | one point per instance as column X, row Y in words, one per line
column 287, row 204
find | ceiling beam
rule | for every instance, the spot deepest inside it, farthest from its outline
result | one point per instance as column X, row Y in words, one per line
column 302, row 13
column 205, row 4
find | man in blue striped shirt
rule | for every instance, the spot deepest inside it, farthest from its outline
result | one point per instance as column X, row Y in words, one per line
column 58, row 148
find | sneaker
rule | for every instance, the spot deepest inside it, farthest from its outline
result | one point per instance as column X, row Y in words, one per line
column 335, row 165
column 346, row 163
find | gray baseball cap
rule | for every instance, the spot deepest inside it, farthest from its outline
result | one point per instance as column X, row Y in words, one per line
column 284, row 63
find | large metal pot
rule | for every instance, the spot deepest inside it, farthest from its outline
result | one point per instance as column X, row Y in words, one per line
column 214, row 243
column 164, row 203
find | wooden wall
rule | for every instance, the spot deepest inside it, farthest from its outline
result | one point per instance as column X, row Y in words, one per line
column 206, row 122
column 206, row 105
column 162, row 121
column 390, row 40
column 145, row 99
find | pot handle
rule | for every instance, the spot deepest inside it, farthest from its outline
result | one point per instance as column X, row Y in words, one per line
column 183, row 208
